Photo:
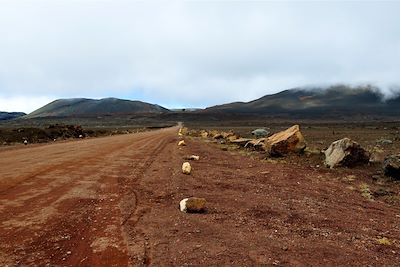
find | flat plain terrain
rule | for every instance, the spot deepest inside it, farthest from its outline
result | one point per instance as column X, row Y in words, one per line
column 113, row 201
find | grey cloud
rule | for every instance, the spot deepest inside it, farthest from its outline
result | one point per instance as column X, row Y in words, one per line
column 193, row 53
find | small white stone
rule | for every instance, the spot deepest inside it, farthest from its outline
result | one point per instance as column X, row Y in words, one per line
column 194, row 157
column 182, row 205
column 182, row 143
column 186, row 168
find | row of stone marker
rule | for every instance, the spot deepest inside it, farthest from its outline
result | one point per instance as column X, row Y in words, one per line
column 190, row 204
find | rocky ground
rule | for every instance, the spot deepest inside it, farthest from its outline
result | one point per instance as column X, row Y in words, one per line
column 114, row 201
column 56, row 132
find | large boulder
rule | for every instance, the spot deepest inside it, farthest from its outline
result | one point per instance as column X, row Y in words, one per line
column 193, row 205
column 282, row 143
column 345, row 152
column 391, row 166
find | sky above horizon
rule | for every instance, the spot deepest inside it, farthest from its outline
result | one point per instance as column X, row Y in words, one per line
column 191, row 53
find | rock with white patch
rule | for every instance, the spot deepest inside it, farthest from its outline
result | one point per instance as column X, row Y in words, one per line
column 391, row 166
column 193, row 205
column 192, row 157
column 345, row 152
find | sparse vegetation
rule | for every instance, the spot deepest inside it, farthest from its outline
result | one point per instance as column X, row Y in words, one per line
column 384, row 241
column 365, row 191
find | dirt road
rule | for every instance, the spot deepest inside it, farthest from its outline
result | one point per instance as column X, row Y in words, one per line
column 113, row 201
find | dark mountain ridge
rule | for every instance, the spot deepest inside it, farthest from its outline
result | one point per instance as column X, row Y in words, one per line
column 335, row 100
column 10, row 115
column 94, row 107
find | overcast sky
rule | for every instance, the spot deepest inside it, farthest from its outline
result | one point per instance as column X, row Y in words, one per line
column 194, row 53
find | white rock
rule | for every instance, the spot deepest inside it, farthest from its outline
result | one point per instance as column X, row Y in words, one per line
column 345, row 152
column 192, row 157
column 182, row 205
column 186, row 168
column 182, row 143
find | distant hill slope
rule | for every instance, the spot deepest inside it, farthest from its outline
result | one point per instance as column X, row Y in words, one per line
column 314, row 102
column 10, row 115
column 93, row 107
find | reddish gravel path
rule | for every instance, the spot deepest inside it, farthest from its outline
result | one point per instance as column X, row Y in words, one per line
column 114, row 202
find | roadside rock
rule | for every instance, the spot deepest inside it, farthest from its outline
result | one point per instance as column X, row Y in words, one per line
column 260, row 132
column 218, row 136
column 226, row 135
column 377, row 155
column 183, row 131
column 384, row 142
column 192, row 157
column 193, row 205
column 282, row 143
column 215, row 134
column 182, row 143
column 204, row 134
column 241, row 141
column 256, row 144
column 186, row 168
column 345, row 152
column 391, row 166
column 232, row 138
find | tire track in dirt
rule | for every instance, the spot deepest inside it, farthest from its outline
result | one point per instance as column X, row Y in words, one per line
column 52, row 193
column 136, row 239
column 81, row 161
column 116, row 176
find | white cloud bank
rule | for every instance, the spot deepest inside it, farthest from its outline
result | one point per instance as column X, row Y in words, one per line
column 191, row 53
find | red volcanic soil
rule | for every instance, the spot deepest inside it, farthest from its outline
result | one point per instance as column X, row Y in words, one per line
column 113, row 201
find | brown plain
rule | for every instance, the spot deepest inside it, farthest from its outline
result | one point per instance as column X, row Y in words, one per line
column 113, row 201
